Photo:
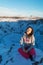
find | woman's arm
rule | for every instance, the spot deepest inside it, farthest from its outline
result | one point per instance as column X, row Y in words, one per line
column 33, row 40
column 21, row 41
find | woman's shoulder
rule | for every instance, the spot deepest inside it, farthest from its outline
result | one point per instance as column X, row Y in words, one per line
column 24, row 35
column 32, row 35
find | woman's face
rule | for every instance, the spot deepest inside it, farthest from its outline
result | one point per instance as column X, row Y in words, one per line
column 29, row 30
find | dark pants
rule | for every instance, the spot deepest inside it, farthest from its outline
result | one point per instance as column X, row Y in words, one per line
column 27, row 47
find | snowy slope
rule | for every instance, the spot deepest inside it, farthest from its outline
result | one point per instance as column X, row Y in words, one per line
column 10, row 34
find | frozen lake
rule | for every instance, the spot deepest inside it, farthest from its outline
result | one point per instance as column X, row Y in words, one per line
column 10, row 34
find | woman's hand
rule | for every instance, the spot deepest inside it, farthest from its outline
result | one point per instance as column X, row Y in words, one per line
column 25, row 50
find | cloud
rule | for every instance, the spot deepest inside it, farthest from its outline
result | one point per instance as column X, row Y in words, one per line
column 14, row 12
column 37, row 13
column 7, row 12
column 33, row 13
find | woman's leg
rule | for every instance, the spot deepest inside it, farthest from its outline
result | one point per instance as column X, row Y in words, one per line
column 32, row 54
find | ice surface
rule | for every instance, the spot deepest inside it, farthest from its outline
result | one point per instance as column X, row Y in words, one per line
column 10, row 34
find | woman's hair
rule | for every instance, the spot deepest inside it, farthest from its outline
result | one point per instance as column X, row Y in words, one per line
column 31, row 31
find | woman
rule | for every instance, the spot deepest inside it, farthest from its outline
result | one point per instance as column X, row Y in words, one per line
column 27, row 42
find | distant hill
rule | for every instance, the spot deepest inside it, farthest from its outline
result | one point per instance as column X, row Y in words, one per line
column 14, row 18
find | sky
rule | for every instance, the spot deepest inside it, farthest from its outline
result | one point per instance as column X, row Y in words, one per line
column 21, row 8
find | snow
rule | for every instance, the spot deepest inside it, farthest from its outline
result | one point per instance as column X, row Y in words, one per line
column 10, row 34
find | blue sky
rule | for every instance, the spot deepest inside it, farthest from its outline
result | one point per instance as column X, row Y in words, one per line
column 21, row 7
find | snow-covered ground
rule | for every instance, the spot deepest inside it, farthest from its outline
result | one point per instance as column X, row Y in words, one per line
column 10, row 34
